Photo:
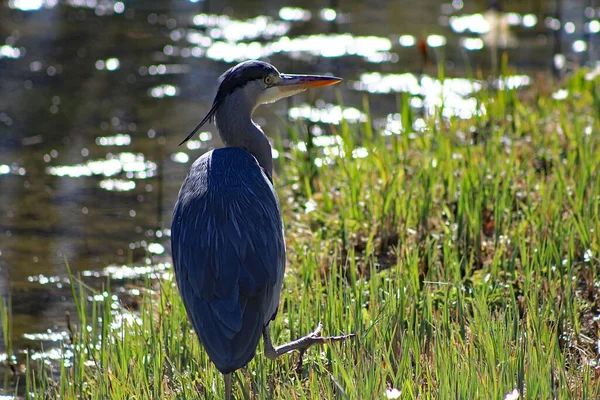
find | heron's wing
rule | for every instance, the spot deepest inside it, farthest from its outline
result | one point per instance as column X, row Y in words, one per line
column 228, row 250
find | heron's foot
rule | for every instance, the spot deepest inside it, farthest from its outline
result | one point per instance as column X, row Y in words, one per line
column 316, row 338
column 302, row 344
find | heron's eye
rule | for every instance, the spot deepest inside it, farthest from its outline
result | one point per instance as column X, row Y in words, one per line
column 268, row 80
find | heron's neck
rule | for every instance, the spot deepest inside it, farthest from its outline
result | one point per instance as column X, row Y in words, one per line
column 236, row 128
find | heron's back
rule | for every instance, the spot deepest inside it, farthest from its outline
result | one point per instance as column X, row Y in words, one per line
column 228, row 253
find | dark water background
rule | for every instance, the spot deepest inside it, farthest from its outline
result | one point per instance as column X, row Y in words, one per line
column 95, row 95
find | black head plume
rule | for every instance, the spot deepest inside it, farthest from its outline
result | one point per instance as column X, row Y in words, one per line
column 234, row 78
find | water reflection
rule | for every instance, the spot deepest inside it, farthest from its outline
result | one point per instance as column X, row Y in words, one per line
column 7, row 51
column 31, row 5
column 44, row 280
column 116, row 140
column 326, row 113
column 436, row 41
column 117, row 185
column 180, row 157
column 455, row 93
column 407, row 40
column 111, row 64
column 225, row 28
column 161, row 91
column 430, row 94
column 100, row 7
column 133, row 165
column 14, row 169
column 48, row 336
column 472, row 43
column 294, row 14
column 120, row 272
column 372, row 48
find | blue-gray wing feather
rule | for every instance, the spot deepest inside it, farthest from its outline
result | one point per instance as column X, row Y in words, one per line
column 228, row 253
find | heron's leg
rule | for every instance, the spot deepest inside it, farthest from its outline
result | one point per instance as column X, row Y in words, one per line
column 227, row 386
column 301, row 344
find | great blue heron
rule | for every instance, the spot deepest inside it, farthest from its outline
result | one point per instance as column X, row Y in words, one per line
column 227, row 232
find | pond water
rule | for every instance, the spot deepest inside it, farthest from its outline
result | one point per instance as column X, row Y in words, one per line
column 95, row 96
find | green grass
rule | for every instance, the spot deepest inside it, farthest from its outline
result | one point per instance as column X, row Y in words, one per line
column 464, row 257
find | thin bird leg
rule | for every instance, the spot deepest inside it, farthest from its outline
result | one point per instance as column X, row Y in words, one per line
column 227, row 386
column 301, row 344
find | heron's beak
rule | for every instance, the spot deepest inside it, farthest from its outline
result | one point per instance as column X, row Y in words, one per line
column 298, row 83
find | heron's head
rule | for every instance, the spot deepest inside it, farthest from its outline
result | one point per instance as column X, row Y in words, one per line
column 260, row 83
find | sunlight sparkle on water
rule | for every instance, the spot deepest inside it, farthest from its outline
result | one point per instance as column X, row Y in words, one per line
column 559, row 61
column 327, row 113
column 454, row 93
column 54, row 354
column 180, row 157
column 7, row 51
column 372, row 48
column 375, row 82
column 117, row 185
column 472, row 43
column 328, row 14
column 294, row 14
column 514, row 82
column 328, row 141
column 31, row 5
column 119, row 7
column 158, row 92
column 529, row 20
column 120, row 139
column 331, row 147
column 199, row 38
column 368, row 47
column 407, row 40
column 111, row 64
column 579, row 46
column 121, row 272
column 475, row 23
column 121, row 318
column 48, row 336
column 593, row 26
column 436, row 41
column 100, row 7
column 156, row 248
column 513, row 18
column 205, row 136
column 45, row 280
column 165, row 69
column 552, row 23
column 112, row 165
column 232, row 30
column 194, row 144
column 570, row 28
